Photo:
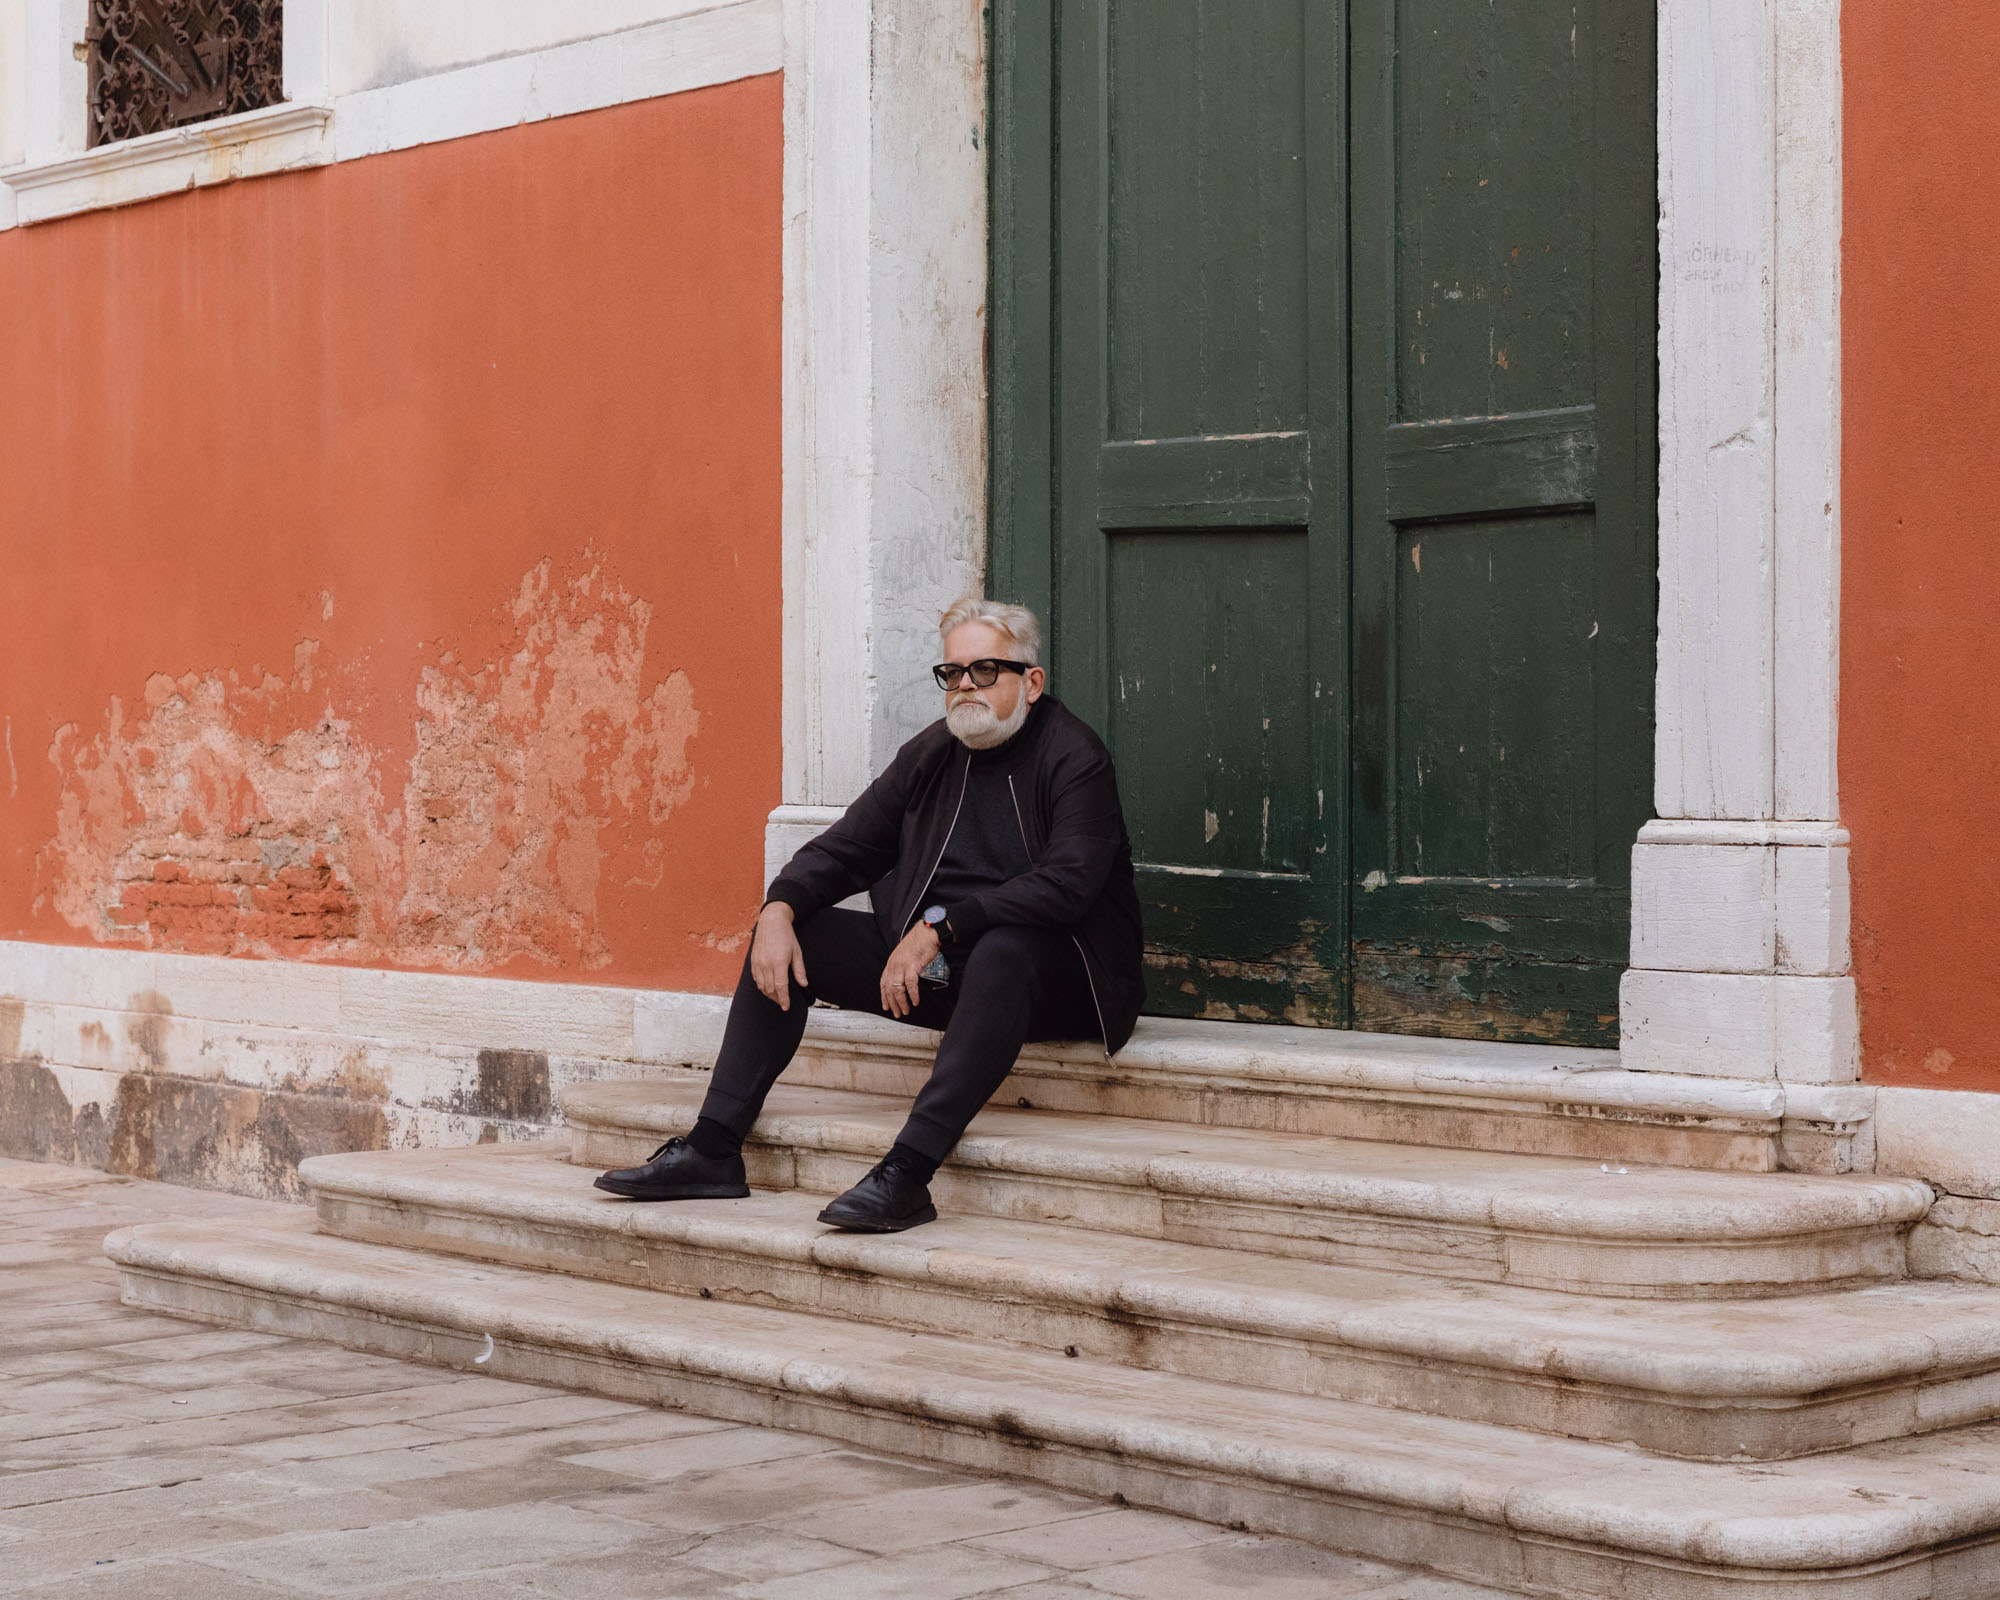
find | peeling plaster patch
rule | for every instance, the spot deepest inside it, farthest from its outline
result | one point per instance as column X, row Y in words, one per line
column 524, row 765
column 13, row 775
column 206, row 824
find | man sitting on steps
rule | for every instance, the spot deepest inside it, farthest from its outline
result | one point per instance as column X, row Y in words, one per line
column 996, row 857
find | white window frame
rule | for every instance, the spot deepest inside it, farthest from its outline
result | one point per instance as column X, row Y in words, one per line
column 62, row 175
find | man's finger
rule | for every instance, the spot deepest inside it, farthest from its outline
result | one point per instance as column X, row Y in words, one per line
column 774, row 988
column 799, row 964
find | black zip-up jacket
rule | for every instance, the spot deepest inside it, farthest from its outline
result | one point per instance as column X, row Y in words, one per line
column 1066, row 800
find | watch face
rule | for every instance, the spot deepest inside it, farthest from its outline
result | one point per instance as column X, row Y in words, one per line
column 934, row 916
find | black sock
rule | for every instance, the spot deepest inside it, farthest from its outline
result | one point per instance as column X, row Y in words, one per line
column 712, row 1141
column 915, row 1162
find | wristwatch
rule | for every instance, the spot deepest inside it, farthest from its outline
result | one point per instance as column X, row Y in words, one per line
column 939, row 970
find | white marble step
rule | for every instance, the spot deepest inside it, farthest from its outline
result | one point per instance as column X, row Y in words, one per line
column 1471, row 1094
column 1549, row 1516
column 1757, row 1379
column 1547, row 1222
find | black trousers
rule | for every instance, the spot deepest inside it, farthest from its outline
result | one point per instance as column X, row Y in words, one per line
column 1013, row 985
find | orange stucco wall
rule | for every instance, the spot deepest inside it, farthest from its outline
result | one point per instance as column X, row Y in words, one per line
column 391, row 555
column 1920, row 545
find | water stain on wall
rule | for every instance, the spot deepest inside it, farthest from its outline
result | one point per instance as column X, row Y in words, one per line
column 197, row 822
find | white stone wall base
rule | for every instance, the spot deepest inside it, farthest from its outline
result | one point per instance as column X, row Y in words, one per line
column 1959, row 1239
column 1739, row 1025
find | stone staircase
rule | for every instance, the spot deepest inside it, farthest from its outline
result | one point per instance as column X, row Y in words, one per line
column 1482, row 1339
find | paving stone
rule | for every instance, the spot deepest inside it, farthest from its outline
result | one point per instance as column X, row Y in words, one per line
column 69, row 1394
column 155, row 1580
column 392, row 1468
column 1054, row 1589
column 766, row 1552
column 344, row 1442
column 494, row 1450
column 241, row 1495
column 236, row 1399
column 674, row 1458
column 551, row 1412
column 765, row 1491
column 950, row 1572
column 377, row 1479
column 535, row 1480
column 453, row 1545
column 195, row 1346
column 1100, row 1539
column 104, row 1477
column 935, row 1516
column 1247, row 1569
column 82, row 1552
column 1418, row 1587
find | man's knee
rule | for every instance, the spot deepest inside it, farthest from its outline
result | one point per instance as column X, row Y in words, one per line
column 1008, row 958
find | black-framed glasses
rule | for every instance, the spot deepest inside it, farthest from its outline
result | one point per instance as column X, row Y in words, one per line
column 984, row 673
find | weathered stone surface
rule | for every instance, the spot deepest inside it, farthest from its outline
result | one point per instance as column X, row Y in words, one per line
column 1537, row 1221
column 1555, row 1516
column 1959, row 1239
column 1733, row 1379
column 453, row 1059
column 237, row 1466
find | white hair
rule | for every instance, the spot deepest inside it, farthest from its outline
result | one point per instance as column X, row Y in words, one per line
column 1017, row 624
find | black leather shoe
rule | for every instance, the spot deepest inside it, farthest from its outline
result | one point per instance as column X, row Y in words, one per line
column 888, row 1200
column 678, row 1171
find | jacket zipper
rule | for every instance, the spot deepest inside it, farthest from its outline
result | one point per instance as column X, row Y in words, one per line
column 1103, row 1033
column 964, row 784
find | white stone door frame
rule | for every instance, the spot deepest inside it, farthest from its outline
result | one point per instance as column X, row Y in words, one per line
column 1739, row 954
column 1740, row 903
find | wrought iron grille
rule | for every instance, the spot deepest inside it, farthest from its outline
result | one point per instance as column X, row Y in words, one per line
column 162, row 63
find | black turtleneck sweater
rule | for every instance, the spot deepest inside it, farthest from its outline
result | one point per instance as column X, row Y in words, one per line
column 985, row 847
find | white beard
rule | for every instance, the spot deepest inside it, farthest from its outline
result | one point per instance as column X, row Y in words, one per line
column 977, row 728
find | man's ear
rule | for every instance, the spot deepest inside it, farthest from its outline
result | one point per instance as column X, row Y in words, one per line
column 1036, row 681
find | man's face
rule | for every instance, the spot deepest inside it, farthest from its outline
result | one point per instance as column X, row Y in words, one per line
column 976, row 714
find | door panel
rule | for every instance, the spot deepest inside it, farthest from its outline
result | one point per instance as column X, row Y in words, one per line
column 1503, row 528
column 1216, row 705
column 1323, row 437
column 1201, row 588
column 1493, row 693
column 1203, row 106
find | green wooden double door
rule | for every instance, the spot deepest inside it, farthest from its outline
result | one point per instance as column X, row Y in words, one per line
column 1324, row 436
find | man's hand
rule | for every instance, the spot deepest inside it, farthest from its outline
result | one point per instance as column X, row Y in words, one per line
column 775, row 956
column 900, row 990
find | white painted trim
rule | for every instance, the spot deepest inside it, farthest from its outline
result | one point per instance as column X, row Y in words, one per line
column 1718, row 188
column 885, row 398
column 1739, row 904
column 1709, row 831
column 828, row 401
column 1807, row 511
column 719, row 44
column 1949, row 1136
column 739, row 40
column 283, row 138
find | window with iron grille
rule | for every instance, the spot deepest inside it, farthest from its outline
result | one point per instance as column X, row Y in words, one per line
column 158, row 64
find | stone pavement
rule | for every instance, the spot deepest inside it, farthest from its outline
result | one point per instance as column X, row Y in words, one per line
column 146, row 1457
